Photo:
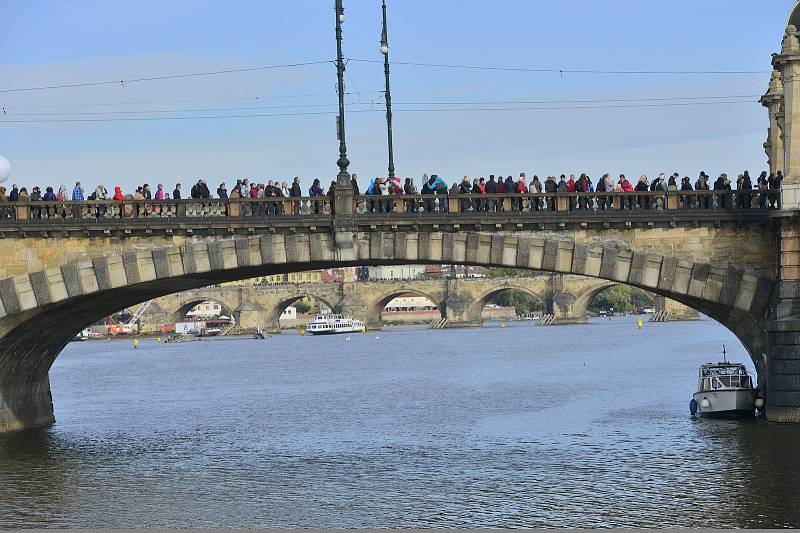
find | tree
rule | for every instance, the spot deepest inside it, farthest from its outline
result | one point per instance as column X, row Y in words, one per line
column 621, row 298
column 522, row 302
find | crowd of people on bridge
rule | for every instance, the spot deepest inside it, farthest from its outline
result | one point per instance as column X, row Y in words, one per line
column 741, row 194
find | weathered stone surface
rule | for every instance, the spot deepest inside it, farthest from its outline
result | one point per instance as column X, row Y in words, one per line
column 550, row 256
column 579, row 259
column 41, row 287
column 131, row 265
column 72, row 279
column 161, row 263
column 8, row 293
column 636, row 274
column 609, row 263
column 242, row 252
column 496, row 253
column 102, row 273
column 668, row 268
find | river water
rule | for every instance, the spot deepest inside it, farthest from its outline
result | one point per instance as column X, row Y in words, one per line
column 522, row 426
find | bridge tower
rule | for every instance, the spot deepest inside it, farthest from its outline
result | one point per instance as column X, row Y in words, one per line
column 783, row 148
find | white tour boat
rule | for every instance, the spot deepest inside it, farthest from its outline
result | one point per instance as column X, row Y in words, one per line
column 329, row 324
column 725, row 390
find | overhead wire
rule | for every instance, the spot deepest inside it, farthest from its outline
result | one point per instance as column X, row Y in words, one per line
column 553, row 70
column 182, row 101
column 9, row 111
column 125, row 81
column 419, row 110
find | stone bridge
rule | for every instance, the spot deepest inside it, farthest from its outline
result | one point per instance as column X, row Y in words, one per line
column 66, row 265
column 459, row 300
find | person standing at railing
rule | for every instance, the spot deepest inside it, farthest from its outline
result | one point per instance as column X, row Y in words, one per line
column 722, row 184
column 641, row 187
column 4, row 213
column 536, row 188
column 316, row 190
column 118, row 196
column 775, row 187
column 77, row 192
column 762, row 184
column 148, row 194
column 160, row 192
column 476, row 191
column 744, row 199
column 550, row 188
column 354, row 184
column 49, row 195
column 601, row 187
column 464, row 189
column 582, row 186
column 701, row 184
column 176, row 194
column 521, row 188
column 687, row 202
column 62, row 194
column 222, row 191
column 429, row 189
column 440, row 188
column 283, row 192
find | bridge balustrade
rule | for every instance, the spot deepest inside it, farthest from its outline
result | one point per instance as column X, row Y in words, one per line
column 531, row 205
column 212, row 208
column 544, row 203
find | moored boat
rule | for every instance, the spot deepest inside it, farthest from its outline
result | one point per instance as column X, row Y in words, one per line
column 725, row 390
column 330, row 324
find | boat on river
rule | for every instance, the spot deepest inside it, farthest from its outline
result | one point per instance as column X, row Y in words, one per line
column 725, row 390
column 330, row 324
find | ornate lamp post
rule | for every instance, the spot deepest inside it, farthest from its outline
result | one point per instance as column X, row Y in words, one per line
column 343, row 194
column 387, row 93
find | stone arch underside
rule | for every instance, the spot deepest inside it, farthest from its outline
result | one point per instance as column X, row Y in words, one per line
column 476, row 307
column 42, row 311
column 376, row 308
column 277, row 310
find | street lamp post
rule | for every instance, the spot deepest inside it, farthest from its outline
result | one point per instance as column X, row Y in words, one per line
column 343, row 178
column 343, row 193
column 387, row 94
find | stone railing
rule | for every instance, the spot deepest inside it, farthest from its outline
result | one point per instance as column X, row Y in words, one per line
column 561, row 202
column 530, row 205
column 163, row 210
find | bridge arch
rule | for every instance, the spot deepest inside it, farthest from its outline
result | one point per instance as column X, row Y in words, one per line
column 62, row 301
column 274, row 312
column 476, row 307
column 375, row 309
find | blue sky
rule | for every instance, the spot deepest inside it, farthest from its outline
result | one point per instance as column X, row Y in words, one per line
column 48, row 42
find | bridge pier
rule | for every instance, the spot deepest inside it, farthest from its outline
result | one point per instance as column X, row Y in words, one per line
column 783, row 332
column 25, row 405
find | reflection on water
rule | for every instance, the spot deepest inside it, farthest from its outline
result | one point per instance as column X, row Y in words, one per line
column 525, row 426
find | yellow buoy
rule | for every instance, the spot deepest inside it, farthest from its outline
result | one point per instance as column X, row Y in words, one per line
column 302, row 332
column 135, row 343
column 503, row 325
column 158, row 339
column 639, row 323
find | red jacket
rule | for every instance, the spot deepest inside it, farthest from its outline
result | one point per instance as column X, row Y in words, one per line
column 521, row 187
column 626, row 186
column 571, row 185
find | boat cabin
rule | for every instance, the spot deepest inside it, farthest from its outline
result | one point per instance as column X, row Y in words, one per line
column 723, row 376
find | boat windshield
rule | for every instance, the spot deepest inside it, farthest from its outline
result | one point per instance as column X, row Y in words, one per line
column 720, row 377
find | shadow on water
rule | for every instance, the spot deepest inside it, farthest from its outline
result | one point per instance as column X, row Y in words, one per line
column 760, row 463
